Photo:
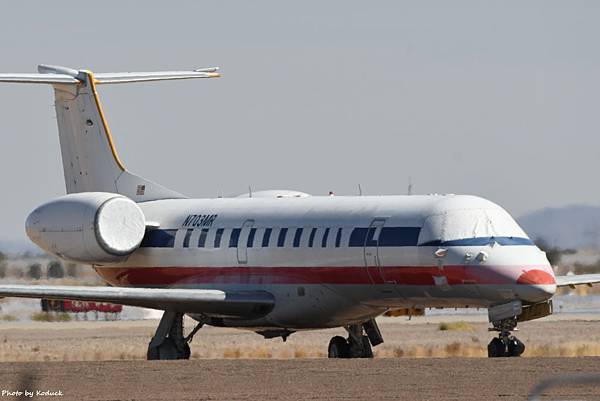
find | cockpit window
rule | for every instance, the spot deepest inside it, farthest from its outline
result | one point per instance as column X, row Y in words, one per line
column 472, row 227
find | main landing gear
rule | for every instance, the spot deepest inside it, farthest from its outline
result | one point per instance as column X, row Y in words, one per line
column 168, row 341
column 359, row 341
column 505, row 344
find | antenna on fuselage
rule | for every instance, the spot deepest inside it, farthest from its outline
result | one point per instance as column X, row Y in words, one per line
column 249, row 191
column 359, row 190
column 409, row 192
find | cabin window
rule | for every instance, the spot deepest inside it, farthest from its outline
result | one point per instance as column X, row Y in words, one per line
column 186, row 239
column 281, row 238
column 388, row 236
column 235, row 236
column 159, row 239
column 251, row 235
column 297, row 237
column 311, row 238
column 324, row 239
column 358, row 236
column 218, row 236
column 266, row 237
column 202, row 238
column 338, row 238
column 399, row 236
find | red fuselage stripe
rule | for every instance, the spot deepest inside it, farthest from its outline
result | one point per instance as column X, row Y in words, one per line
column 403, row 275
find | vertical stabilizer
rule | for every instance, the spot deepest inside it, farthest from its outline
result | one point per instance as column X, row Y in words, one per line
column 90, row 160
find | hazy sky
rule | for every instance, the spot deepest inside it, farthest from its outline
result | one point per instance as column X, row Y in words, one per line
column 498, row 99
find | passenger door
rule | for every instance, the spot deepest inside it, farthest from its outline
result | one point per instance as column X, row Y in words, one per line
column 371, row 250
column 242, row 245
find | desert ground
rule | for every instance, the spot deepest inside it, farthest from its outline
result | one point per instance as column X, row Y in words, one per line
column 104, row 360
column 408, row 379
column 465, row 336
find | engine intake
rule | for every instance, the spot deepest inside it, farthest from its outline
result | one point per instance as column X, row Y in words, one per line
column 88, row 227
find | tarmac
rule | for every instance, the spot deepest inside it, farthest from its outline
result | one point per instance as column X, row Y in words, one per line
column 302, row 379
column 104, row 360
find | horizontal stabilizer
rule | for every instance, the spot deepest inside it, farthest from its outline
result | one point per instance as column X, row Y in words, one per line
column 125, row 77
column 577, row 279
column 214, row 303
column 49, row 74
column 38, row 78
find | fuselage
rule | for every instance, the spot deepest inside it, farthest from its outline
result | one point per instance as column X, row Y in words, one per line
column 334, row 260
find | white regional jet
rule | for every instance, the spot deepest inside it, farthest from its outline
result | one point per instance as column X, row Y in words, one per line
column 273, row 262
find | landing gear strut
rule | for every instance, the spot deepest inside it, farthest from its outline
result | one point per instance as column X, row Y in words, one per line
column 505, row 344
column 168, row 341
column 358, row 343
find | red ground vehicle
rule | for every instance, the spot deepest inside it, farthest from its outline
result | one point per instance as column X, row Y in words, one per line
column 111, row 311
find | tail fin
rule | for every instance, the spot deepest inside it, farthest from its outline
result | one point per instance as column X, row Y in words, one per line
column 90, row 160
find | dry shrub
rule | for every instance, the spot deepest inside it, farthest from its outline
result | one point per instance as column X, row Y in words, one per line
column 47, row 351
column 398, row 352
column 50, row 317
column 460, row 326
column 261, row 352
column 454, row 349
column 564, row 349
column 418, row 351
column 234, row 353
column 300, row 353
column 471, row 350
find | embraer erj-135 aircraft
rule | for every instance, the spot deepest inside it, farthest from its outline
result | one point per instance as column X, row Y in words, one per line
column 273, row 262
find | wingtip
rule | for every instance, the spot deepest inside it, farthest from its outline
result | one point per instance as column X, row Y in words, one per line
column 208, row 69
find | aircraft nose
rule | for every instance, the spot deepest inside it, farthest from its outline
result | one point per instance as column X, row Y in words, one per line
column 32, row 226
column 538, row 285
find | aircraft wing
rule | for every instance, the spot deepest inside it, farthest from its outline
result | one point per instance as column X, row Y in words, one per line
column 214, row 303
column 577, row 279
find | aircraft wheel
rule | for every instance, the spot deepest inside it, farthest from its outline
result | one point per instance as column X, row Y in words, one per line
column 152, row 354
column 338, row 348
column 168, row 350
column 496, row 348
column 515, row 347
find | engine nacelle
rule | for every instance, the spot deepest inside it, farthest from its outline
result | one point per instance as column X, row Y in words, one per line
column 89, row 227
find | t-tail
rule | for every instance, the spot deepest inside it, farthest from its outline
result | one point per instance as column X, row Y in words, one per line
column 90, row 160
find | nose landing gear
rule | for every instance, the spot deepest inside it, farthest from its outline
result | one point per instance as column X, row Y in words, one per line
column 505, row 345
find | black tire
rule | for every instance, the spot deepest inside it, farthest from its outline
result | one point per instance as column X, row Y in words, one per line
column 338, row 348
column 187, row 352
column 168, row 350
column 515, row 347
column 496, row 348
column 367, row 350
column 152, row 354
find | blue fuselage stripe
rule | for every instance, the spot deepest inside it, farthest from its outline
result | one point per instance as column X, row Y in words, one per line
column 481, row 241
column 359, row 237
